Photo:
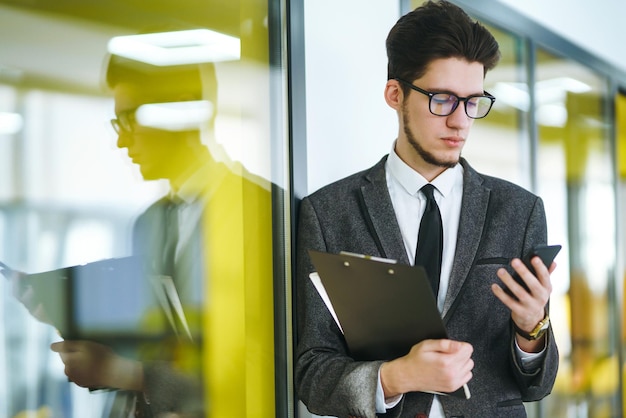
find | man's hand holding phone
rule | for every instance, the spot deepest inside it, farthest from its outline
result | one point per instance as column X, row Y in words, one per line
column 546, row 253
column 526, row 294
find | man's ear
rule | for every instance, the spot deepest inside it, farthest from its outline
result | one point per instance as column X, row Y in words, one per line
column 393, row 94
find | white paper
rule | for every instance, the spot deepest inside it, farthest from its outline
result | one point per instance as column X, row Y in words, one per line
column 317, row 282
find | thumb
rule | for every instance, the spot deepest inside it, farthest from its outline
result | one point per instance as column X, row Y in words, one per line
column 452, row 346
column 57, row 347
column 65, row 346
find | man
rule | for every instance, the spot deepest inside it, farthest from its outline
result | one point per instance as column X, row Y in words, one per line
column 438, row 58
column 167, row 237
column 194, row 236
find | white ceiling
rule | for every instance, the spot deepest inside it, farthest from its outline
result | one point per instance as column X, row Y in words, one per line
column 63, row 42
column 52, row 49
column 596, row 26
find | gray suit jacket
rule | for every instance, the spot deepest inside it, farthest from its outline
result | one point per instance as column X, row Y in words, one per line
column 168, row 389
column 499, row 221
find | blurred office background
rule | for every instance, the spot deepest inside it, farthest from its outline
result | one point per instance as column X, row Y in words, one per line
column 300, row 104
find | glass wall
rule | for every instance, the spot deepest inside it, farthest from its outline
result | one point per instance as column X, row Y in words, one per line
column 551, row 134
column 142, row 202
column 552, row 130
column 499, row 145
column 620, row 118
column 576, row 175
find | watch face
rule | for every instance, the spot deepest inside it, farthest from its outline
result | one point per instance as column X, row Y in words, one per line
column 539, row 333
column 541, row 328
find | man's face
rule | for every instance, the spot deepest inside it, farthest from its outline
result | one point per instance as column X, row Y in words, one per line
column 431, row 143
column 157, row 152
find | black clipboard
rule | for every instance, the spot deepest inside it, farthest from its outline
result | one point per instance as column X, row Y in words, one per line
column 113, row 301
column 383, row 308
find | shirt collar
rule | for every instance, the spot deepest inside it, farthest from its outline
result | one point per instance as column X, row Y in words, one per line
column 200, row 184
column 412, row 181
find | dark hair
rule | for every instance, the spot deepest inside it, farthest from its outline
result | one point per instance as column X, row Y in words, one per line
column 437, row 30
column 194, row 81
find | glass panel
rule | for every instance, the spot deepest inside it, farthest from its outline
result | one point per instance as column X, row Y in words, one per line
column 155, row 243
column 575, row 173
column 620, row 123
column 499, row 143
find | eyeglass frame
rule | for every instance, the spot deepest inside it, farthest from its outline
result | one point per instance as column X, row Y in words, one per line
column 459, row 99
column 127, row 118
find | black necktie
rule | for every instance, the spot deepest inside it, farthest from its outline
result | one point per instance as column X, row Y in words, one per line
column 430, row 239
column 170, row 237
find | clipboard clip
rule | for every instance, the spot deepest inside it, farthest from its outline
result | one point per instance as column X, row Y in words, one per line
column 368, row 257
column 346, row 263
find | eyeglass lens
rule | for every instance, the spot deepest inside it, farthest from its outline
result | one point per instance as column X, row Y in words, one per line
column 123, row 123
column 443, row 104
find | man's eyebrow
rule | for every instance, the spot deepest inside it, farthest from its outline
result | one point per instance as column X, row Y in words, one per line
column 448, row 91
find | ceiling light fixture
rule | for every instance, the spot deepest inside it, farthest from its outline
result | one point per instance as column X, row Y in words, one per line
column 175, row 116
column 549, row 91
column 177, row 48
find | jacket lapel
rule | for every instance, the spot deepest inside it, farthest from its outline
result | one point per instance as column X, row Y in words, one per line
column 380, row 216
column 378, row 211
column 473, row 214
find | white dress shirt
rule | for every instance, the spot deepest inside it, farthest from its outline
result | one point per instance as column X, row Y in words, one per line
column 409, row 203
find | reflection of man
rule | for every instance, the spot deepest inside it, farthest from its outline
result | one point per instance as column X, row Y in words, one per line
column 438, row 58
column 195, row 236
column 168, row 235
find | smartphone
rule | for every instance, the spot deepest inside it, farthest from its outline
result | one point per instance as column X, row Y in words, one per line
column 546, row 253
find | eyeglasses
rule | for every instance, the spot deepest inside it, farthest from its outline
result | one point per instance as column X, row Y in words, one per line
column 443, row 104
column 125, row 122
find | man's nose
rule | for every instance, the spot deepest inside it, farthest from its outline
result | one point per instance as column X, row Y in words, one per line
column 124, row 139
column 459, row 119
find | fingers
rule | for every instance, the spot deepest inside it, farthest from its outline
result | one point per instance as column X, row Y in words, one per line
column 87, row 364
column 541, row 277
column 57, row 347
column 446, row 346
column 542, row 273
column 451, row 358
column 539, row 285
column 452, row 363
column 76, row 346
column 431, row 365
column 66, row 346
column 527, row 306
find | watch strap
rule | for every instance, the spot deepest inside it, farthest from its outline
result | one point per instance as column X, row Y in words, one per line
column 537, row 332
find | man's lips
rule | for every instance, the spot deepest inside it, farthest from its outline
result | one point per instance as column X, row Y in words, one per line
column 453, row 141
column 134, row 157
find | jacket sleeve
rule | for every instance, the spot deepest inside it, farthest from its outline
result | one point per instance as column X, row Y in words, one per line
column 169, row 391
column 537, row 384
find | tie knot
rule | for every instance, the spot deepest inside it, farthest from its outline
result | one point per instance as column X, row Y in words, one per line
column 428, row 191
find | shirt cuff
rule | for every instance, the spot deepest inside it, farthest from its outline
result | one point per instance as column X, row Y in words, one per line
column 529, row 361
column 382, row 404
